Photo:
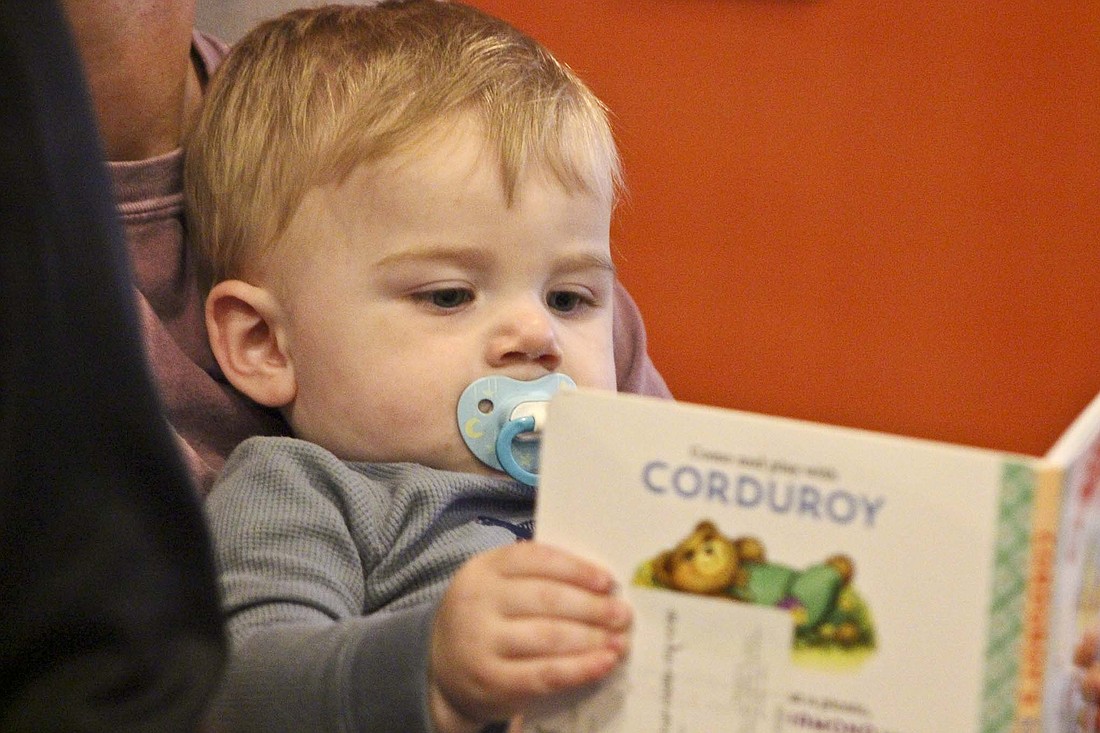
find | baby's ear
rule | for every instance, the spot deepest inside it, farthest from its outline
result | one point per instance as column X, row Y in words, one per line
column 244, row 323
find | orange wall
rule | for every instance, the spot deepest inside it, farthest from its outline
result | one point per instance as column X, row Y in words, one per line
column 880, row 214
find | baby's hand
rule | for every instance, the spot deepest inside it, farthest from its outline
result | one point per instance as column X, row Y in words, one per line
column 519, row 623
column 1085, row 657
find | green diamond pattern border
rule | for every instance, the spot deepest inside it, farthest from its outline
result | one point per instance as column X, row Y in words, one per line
column 1006, row 612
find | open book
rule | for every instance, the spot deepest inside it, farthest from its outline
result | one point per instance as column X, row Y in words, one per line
column 794, row 576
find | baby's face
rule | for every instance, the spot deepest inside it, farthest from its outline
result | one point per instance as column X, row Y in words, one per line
column 420, row 279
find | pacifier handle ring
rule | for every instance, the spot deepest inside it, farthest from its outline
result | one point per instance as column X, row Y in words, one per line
column 508, row 433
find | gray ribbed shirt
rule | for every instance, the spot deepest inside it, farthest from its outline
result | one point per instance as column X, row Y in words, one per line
column 330, row 574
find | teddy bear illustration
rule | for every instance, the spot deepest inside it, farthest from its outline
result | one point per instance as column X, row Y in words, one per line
column 708, row 562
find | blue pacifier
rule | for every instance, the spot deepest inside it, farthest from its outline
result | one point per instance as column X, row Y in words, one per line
column 500, row 419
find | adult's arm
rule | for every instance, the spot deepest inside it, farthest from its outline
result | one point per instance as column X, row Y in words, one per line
column 110, row 616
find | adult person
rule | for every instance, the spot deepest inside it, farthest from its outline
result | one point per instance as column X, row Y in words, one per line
column 110, row 613
column 146, row 68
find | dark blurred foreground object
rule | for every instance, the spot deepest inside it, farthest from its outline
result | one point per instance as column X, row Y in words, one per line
column 108, row 607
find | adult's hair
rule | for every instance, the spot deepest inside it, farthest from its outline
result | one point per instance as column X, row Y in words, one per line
column 305, row 98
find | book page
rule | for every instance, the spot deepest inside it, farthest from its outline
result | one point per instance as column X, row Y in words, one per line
column 698, row 664
column 1076, row 605
column 895, row 569
column 1079, row 438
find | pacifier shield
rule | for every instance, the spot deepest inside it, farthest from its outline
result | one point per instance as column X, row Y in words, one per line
column 500, row 419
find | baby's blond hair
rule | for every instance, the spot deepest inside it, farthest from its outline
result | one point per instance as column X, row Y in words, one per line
column 305, row 98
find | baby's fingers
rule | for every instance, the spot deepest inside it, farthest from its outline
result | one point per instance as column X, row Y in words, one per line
column 547, row 638
column 540, row 676
column 1085, row 653
column 535, row 597
column 536, row 559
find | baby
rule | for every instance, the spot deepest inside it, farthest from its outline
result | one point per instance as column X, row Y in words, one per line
column 391, row 203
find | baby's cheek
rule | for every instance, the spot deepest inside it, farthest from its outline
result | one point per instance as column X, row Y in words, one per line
column 595, row 374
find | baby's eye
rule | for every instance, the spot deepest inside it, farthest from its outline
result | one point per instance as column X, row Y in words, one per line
column 564, row 301
column 447, row 298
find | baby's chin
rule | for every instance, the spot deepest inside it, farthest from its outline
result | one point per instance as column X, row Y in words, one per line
column 457, row 459
column 460, row 460
column 472, row 465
